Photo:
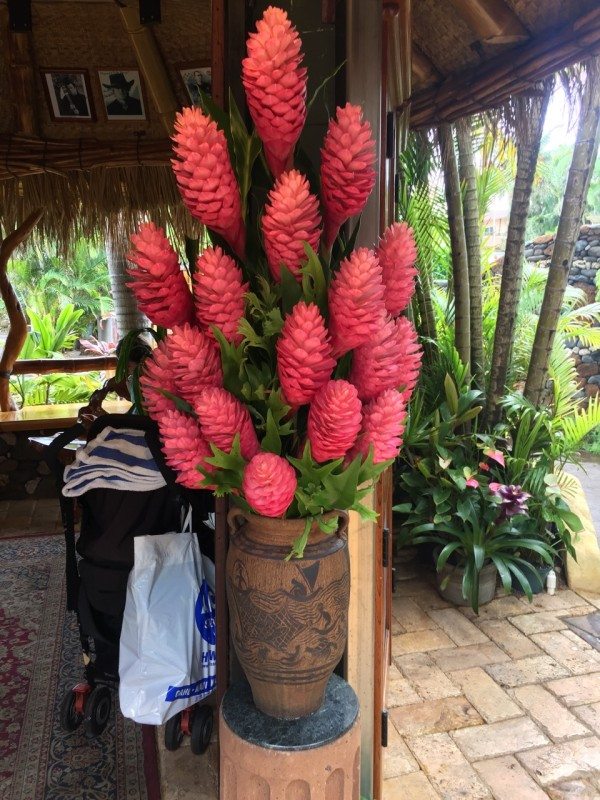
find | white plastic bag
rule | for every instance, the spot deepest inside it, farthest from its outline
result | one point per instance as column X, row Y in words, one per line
column 167, row 658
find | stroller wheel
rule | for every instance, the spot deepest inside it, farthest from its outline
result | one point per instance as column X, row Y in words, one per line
column 202, row 725
column 70, row 719
column 173, row 732
column 97, row 711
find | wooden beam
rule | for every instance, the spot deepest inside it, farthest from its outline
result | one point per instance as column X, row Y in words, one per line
column 62, row 366
column 492, row 20
column 424, row 71
column 22, row 83
column 490, row 84
column 23, row 155
column 17, row 330
column 151, row 66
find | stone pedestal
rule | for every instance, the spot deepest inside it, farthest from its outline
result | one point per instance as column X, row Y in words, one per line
column 312, row 758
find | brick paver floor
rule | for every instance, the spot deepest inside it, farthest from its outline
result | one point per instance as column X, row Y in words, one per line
column 503, row 705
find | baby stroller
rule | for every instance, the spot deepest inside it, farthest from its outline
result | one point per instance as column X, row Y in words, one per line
column 135, row 496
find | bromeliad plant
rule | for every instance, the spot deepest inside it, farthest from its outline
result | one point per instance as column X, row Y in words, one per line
column 286, row 374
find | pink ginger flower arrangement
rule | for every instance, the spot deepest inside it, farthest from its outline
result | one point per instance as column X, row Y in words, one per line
column 221, row 417
column 291, row 218
column 390, row 360
column 397, row 255
column 356, row 301
column 195, row 361
column 410, row 356
column 347, row 174
column 334, row 420
column 158, row 284
column 205, row 176
column 157, row 374
column 304, row 361
column 219, row 291
column 275, row 85
column 184, row 447
column 382, row 427
column 269, row 484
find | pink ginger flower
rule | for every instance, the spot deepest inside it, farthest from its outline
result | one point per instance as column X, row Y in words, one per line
column 275, row 85
column 205, row 176
column 356, row 304
column 382, row 427
column 334, row 420
column 411, row 354
column 391, row 361
column 184, row 447
column 157, row 374
column 397, row 254
column 304, row 361
column 291, row 218
column 158, row 284
column 269, row 484
column 195, row 361
column 219, row 293
column 347, row 174
column 221, row 416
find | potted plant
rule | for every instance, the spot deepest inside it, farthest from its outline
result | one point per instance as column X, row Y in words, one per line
column 284, row 380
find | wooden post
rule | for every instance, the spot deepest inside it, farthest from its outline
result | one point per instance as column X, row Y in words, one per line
column 17, row 332
column 22, row 83
column 151, row 65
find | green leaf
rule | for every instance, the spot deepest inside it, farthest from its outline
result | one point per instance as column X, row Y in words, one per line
column 232, row 361
column 291, row 291
column 271, row 442
column 451, row 394
column 300, row 543
column 180, row 404
column 342, row 488
column 314, row 285
column 323, row 84
column 246, row 149
column 328, row 525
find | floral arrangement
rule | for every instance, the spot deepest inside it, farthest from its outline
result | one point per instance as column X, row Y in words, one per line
column 285, row 377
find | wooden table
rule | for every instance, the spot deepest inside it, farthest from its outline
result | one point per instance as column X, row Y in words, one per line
column 53, row 417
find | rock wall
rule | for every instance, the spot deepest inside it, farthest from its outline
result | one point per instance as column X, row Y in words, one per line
column 584, row 269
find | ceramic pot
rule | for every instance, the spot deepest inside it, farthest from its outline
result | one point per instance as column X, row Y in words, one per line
column 452, row 591
column 288, row 619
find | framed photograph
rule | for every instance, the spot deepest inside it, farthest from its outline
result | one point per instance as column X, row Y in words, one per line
column 195, row 79
column 68, row 94
column 122, row 94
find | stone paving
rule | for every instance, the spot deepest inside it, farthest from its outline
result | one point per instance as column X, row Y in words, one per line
column 503, row 705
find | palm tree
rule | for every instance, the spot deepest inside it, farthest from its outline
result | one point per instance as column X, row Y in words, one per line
column 129, row 317
column 530, row 114
column 468, row 176
column 460, row 266
column 582, row 165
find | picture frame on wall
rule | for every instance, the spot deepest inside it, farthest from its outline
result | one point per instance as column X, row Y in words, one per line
column 68, row 94
column 196, row 78
column 122, row 94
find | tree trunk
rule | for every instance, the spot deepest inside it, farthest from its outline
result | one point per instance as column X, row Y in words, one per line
column 17, row 331
column 426, row 314
column 531, row 124
column 578, row 182
column 460, row 267
column 468, row 177
column 129, row 317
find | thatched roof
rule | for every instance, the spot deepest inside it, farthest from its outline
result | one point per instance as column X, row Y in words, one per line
column 91, row 171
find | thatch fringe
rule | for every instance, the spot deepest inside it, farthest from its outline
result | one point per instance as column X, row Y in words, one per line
column 96, row 203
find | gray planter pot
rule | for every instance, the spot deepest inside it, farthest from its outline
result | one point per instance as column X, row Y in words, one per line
column 453, row 589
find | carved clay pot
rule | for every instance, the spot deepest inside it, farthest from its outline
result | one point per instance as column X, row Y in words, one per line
column 288, row 619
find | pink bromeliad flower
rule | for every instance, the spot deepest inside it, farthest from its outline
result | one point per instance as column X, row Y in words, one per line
column 221, row 417
column 347, row 174
column 184, row 447
column 397, row 254
column 275, row 84
column 291, row 218
column 205, row 177
column 334, row 420
column 382, row 427
column 269, row 484
column 158, row 283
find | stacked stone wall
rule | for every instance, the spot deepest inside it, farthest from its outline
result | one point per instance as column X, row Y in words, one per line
column 583, row 274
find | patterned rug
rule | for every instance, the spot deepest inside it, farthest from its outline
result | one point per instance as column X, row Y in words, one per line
column 40, row 658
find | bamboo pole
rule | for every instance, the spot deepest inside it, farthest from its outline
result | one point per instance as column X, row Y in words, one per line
column 151, row 66
column 22, row 82
column 17, row 331
column 492, row 20
column 64, row 366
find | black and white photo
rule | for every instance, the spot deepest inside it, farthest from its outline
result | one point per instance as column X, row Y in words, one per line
column 122, row 94
column 196, row 79
column 68, row 94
